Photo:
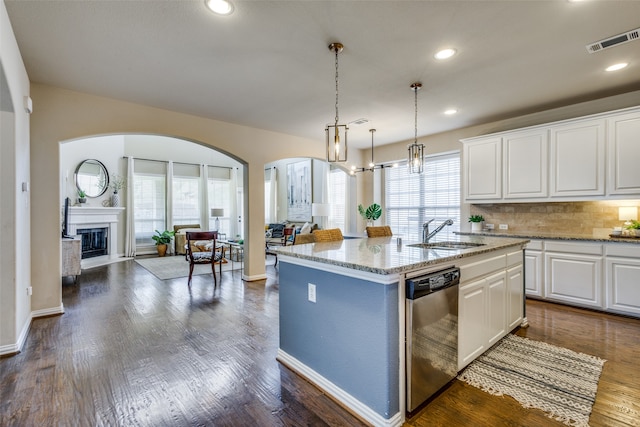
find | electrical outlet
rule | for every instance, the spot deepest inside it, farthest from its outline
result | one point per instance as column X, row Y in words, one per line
column 504, row 226
column 312, row 292
column 489, row 226
column 29, row 291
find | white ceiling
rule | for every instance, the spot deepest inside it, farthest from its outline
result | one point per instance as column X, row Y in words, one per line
column 268, row 66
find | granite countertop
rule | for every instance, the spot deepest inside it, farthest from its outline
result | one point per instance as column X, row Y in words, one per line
column 596, row 236
column 382, row 255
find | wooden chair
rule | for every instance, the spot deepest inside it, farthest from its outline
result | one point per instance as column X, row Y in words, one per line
column 208, row 254
column 287, row 236
column 380, row 231
column 329, row 235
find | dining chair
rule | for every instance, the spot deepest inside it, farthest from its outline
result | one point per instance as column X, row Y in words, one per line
column 201, row 249
column 328, row 235
column 379, row 231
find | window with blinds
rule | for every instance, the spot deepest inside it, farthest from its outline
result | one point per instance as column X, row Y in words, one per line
column 337, row 199
column 411, row 200
column 186, row 194
column 150, row 206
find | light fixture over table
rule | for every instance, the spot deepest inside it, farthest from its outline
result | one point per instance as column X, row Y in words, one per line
column 416, row 151
column 372, row 164
column 336, row 149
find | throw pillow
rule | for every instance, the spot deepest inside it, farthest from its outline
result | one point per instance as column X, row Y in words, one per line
column 306, row 228
column 268, row 234
column 277, row 230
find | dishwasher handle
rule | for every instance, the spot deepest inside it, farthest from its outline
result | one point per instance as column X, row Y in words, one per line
column 420, row 286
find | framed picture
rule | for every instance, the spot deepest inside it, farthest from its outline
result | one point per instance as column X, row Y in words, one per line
column 299, row 191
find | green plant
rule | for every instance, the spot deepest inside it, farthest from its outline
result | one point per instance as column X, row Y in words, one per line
column 163, row 238
column 635, row 225
column 373, row 212
column 82, row 194
column 117, row 183
column 476, row 218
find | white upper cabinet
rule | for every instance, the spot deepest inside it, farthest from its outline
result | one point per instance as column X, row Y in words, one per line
column 483, row 169
column 588, row 158
column 624, row 153
column 525, row 164
column 578, row 159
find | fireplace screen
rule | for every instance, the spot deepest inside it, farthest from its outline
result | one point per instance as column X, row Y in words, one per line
column 94, row 241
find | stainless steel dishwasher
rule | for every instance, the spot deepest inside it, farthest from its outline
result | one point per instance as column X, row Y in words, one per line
column 431, row 334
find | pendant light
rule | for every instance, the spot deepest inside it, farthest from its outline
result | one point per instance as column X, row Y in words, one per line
column 416, row 151
column 372, row 164
column 336, row 145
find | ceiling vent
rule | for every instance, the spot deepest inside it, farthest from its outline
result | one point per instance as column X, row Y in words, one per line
column 614, row 41
column 359, row 122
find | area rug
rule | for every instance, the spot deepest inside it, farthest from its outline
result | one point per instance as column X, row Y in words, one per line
column 556, row 380
column 171, row 267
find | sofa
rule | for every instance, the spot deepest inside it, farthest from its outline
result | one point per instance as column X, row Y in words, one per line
column 180, row 238
column 275, row 232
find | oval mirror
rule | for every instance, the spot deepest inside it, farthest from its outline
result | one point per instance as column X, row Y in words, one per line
column 92, row 178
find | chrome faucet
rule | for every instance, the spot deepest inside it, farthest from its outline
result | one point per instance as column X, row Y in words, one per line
column 426, row 235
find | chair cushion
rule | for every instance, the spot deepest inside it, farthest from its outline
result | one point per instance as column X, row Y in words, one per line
column 205, row 257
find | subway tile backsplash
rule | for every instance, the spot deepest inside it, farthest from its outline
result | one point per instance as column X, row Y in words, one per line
column 556, row 217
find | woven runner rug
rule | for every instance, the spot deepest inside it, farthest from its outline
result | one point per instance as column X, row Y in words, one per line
column 556, row 380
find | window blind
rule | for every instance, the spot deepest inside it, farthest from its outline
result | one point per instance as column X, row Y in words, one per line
column 411, row 200
column 337, row 199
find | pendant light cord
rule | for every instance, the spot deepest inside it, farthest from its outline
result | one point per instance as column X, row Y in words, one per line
column 336, row 51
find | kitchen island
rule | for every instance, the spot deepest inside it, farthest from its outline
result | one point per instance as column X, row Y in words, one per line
column 342, row 312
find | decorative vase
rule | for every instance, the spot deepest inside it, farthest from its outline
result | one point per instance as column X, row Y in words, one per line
column 476, row 226
column 115, row 199
column 162, row 249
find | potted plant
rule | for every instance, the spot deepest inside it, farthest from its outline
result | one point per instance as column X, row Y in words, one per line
column 162, row 239
column 476, row 222
column 372, row 213
column 634, row 228
column 82, row 196
column 117, row 183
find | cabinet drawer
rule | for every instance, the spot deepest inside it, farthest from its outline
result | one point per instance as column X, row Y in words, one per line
column 535, row 245
column 574, row 248
column 621, row 250
column 514, row 258
column 482, row 267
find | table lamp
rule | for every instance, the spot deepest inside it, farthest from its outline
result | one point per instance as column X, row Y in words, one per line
column 216, row 213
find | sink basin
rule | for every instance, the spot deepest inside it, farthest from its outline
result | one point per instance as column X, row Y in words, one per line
column 447, row 245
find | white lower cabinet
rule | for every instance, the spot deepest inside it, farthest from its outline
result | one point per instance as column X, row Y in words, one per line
column 623, row 279
column 472, row 318
column 533, row 269
column 496, row 307
column 574, row 273
column 515, row 297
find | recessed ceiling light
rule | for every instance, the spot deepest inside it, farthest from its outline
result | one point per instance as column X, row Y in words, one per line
column 445, row 53
column 221, row 7
column 616, row 67
column 450, row 111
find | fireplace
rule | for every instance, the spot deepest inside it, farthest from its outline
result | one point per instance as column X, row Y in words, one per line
column 94, row 241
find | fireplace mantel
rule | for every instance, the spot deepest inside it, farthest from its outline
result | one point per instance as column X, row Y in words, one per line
column 97, row 217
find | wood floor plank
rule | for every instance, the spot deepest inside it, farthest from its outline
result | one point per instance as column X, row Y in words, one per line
column 132, row 350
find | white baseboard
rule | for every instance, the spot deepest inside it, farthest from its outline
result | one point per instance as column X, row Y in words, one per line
column 17, row 347
column 254, row 277
column 339, row 395
column 48, row 311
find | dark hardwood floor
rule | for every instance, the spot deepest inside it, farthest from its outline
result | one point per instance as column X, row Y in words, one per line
column 132, row 350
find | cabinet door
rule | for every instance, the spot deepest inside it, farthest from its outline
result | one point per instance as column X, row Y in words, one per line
column 483, row 169
column 533, row 273
column 623, row 285
column 472, row 322
column 578, row 159
column 623, row 139
column 515, row 302
column 525, row 164
column 574, row 278
column 497, row 307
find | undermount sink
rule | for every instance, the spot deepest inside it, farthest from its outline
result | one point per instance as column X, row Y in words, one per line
column 447, row 245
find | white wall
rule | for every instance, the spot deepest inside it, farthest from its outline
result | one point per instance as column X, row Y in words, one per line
column 15, row 277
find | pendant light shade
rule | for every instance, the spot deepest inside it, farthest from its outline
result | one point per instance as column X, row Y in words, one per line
column 336, row 133
column 415, row 159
